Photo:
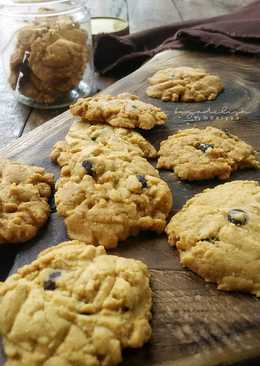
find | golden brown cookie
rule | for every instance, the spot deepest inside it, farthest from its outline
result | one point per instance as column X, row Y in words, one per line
column 24, row 193
column 57, row 61
column 184, row 84
column 106, row 196
column 195, row 154
column 124, row 110
column 83, row 134
column 75, row 305
column 217, row 235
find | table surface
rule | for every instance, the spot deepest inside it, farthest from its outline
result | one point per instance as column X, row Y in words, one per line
column 193, row 323
column 16, row 119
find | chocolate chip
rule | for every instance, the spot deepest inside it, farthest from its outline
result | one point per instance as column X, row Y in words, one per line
column 237, row 217
column 101, row 358
column 88, row 166
column 54, row 275
column 125, row 308
column 142, row 180
column 204, row 147
column 49, row 285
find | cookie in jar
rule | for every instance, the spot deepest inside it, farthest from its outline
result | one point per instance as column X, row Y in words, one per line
column 49, row 55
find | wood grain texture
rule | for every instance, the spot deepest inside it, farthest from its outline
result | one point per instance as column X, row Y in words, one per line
column 193, row 323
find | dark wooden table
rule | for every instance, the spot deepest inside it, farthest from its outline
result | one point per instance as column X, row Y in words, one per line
column 190, row 318
column 193, row 323
column 16, row 119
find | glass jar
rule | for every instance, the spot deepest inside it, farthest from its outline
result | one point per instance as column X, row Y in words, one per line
column 109, row 16
column 46, row 48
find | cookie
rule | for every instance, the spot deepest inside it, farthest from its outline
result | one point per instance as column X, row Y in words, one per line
column 83, row 134
column 24, row 193
column 34, row 88
column 217, row 235
column 195, row 154
column 57, row 61
column 184, row 84
column 107, row 164
column 75, row 305
column 49, row 59
column 124, row 110
column 106, row 196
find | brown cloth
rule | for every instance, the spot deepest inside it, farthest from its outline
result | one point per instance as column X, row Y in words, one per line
column 235, row 32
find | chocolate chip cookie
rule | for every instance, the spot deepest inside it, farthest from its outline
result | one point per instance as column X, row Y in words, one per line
column 24, row 193
column 184, row 84
column 83, row 134
column 196, row 154
column 106, row 196
column 124, row 110
column 75, row 305
column 217, row 235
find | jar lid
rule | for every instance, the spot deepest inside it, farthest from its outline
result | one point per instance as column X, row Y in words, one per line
column 47, row 8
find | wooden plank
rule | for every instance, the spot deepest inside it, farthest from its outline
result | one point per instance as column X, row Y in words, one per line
column 38, row 117
column 193, row 323
column 192, row 9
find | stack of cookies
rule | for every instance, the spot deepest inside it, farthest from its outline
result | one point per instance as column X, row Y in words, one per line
column 107, row 190
column 49, row 59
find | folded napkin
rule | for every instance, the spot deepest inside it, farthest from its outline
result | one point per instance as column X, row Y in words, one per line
column 236, row 32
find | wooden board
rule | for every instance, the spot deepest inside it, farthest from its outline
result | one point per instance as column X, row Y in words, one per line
column 193, row 323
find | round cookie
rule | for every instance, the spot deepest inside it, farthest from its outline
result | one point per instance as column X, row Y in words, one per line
column 83, row 134
column 124, row 110
column 217, row 234
column 184, row 84
column 57, row 61
column 106, row 196
column 75, row 305
column 110, row 136
column 36, row 89
column 24, row 193
column 195, row 154
column 106, row 164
